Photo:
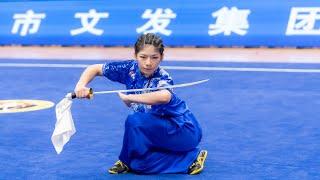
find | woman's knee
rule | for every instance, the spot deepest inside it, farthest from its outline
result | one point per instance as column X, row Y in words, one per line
column 134, row 120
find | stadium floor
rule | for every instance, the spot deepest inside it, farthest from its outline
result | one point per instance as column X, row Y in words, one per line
column 259, row 120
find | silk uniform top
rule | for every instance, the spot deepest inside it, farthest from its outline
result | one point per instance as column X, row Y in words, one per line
column 129, row 74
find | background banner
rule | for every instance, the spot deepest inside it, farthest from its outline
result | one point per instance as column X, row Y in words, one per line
column 272, row 23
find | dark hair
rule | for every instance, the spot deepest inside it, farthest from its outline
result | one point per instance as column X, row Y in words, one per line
column 151, row 39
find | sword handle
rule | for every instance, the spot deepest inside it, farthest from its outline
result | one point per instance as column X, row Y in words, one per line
column 74, row 96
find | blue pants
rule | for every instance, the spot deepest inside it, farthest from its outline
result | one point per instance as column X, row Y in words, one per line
column 154, row 144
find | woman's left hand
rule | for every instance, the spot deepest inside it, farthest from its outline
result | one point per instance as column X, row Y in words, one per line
column 125, row 98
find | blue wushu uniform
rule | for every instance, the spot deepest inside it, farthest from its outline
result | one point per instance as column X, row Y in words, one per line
column 158, row 138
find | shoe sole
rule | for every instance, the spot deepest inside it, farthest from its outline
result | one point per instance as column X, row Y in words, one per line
column 202, row 163
column 113, row 172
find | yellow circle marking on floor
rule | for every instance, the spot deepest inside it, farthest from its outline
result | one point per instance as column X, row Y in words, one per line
column 15, row 106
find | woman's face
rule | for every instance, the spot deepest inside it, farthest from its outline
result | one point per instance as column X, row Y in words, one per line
column 148, row 59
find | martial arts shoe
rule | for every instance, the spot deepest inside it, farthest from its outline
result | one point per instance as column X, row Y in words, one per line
column 198, row 165
column 118, row 168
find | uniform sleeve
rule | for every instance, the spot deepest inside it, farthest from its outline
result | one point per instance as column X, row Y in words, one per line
column 117, row 71
column 165, row 80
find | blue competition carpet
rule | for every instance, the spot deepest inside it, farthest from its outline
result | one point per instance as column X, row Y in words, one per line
column 257, row 123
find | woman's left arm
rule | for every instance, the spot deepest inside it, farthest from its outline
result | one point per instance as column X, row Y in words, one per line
column 152, row 98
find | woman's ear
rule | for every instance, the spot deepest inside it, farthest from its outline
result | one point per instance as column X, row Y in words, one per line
column 161, row 57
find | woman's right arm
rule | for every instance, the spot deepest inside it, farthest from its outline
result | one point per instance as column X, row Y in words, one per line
column 81, row 89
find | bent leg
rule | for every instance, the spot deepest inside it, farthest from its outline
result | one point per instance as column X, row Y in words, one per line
column 156, row 162
column 148, row 148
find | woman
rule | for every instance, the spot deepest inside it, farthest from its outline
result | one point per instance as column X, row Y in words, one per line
column 161, row 135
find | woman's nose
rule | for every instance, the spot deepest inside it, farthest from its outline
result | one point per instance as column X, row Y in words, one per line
column 148, row 61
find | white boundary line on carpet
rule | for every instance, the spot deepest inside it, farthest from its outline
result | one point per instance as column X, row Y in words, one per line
column 186, row 68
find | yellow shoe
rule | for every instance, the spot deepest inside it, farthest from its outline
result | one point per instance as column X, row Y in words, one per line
column 118, row 168
column 198, row 165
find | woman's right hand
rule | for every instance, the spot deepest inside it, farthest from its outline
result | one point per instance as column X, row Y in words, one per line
column 88, row 74
column 82, row 91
